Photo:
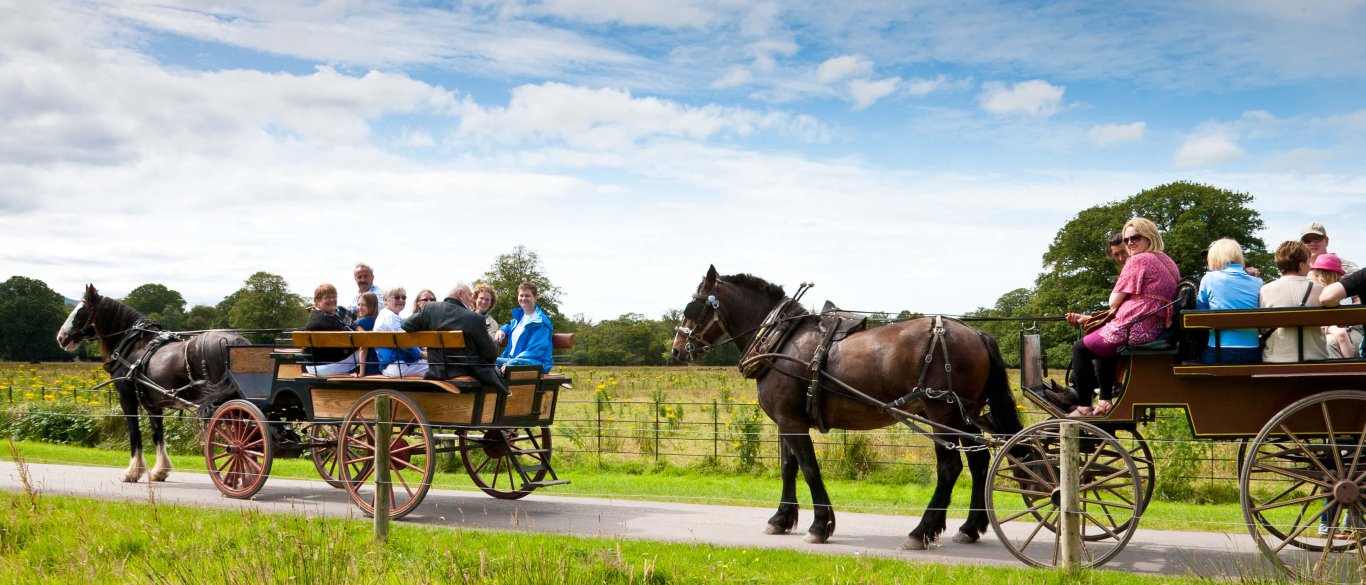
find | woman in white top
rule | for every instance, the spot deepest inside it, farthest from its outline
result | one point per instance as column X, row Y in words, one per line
column 397, row 362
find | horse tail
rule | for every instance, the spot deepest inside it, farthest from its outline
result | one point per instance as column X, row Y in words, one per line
column 1004, row 416
column 211, row 348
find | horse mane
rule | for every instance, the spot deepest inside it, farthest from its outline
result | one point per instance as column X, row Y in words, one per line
column 750, row 281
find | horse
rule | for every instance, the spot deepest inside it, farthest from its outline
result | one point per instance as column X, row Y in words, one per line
column 883, row 363
column 152, row 368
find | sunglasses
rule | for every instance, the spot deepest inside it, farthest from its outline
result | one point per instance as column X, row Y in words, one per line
column 1134, row 239
column 426, row 299
column 1312, row 239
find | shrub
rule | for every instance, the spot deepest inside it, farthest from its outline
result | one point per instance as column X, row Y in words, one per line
column 63, row 423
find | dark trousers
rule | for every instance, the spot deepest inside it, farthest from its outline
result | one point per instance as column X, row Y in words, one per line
column 1091, row 371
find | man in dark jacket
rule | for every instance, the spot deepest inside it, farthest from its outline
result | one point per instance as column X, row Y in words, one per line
column 476, row 358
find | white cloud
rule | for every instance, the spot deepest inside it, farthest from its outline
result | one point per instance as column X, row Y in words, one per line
column 614, row 119
column 1208, row 146
column 1034, row 98
column 660, row 13
column 1107, row 134
column 843, row 67
column 921, row 86
column 866, row 92
column 732, row 78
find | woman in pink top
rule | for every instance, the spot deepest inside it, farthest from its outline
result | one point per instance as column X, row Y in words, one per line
column 1146, row 287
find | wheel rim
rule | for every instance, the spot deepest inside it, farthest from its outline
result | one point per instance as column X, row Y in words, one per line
column 411, row 462
column 1308, row 462
column 488, row 459
column 1025, row 471
column 237, row 449
column 322, row 438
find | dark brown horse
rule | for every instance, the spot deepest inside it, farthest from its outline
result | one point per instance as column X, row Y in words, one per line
column 152, row 368
column 885, row 365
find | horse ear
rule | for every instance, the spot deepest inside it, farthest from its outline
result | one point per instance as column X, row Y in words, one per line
column 710, row 280
column 92, row 296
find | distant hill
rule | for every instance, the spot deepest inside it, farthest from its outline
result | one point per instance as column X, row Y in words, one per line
column 69, row 302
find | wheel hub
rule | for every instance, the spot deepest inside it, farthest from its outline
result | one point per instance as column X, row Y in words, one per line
column 1346, row 492
column 1056, row 497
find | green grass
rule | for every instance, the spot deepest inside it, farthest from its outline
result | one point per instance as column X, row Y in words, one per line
column 157, row 543
column 687, row 485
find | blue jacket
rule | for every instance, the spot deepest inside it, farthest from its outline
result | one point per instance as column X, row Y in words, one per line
column 534, row 343
column 1230, row 288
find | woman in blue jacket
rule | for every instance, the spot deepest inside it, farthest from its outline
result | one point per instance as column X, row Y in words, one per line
column 527, row 335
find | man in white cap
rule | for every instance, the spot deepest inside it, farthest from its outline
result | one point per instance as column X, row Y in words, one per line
column 1316, row 237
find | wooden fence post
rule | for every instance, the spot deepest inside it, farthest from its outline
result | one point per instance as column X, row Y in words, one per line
column 715, row 432
column 383, row 416
column 1070, row 521
column 657, row 403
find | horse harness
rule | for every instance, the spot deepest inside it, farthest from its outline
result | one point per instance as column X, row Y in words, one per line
column 136, row 370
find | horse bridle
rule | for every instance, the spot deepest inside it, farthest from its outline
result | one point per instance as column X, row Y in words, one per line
column 695, row 341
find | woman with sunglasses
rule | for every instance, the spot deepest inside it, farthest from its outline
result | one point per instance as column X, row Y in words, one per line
column 1147, row 284
column 397, row 362
column 421, row 299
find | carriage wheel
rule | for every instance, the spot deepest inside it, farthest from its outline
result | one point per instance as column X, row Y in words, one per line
column 1025, row 471
column 1138, row 449
column 237, row 449
column 489, row 455
column 323, row 450
column 1308, row 463
column 411, row 459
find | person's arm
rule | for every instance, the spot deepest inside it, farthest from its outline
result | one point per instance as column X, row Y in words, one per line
column 483, row 344
column 537, row 346
column 1333, row 294
column 415, row 322
column 1116, row 298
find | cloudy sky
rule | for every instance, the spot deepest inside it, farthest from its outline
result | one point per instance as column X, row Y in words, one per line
column 899, row 154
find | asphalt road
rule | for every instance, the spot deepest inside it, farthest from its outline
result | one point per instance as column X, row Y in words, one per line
column 1150, row 551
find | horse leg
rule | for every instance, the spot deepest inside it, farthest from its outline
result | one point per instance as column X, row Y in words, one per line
column 948, row 466
column 162, row 468
column 805, row 454
column 786, row 517
column 128, row 401
column 978, row 462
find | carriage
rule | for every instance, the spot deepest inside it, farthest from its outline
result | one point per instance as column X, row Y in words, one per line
column 503, row 441
column 1300, row 426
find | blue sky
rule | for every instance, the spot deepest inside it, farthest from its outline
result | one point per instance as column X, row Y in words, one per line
column 902, row 155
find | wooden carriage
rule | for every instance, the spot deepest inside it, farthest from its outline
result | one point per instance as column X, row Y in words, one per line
column 504, row 441
column 1301, row 428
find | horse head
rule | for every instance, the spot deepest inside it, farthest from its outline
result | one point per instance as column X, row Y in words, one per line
column 701, row 327
column 80, row 324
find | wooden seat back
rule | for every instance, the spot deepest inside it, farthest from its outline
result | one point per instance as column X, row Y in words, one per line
column 372, row 339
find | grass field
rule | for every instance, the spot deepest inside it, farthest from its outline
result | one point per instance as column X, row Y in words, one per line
column 158, row 543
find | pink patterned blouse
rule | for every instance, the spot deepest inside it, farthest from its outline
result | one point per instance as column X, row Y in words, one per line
column 1150, row 279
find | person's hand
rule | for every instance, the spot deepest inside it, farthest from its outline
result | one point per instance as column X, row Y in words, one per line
column 499, row 337
column 1252, row 271
column 1074, row 318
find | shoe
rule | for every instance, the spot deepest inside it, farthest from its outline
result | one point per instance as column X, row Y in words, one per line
column 1081, row 412
column 1102, row 408
column 1063, row 397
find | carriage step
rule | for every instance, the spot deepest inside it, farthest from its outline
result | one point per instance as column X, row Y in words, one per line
column 445, row 436
column 530, row 451
column 533, row 468
column 548, row 482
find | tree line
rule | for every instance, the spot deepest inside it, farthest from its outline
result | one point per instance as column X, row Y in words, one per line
column 1076, row 276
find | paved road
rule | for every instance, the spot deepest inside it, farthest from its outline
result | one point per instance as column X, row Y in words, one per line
column 1150, row 551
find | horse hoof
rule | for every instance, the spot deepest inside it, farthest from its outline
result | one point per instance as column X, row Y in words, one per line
column 964, row 538
column 814, row 538
column 159, row 475
column 915, row 543
column 773, row 529
column 132, row 477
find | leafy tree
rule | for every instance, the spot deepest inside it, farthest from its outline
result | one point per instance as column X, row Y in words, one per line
column 159, row 304
column 31, row 314
column 202, row 317
column 511, row 269
column 264, row 302
column 629, row 340
column 224, row 308
column 1078, row 276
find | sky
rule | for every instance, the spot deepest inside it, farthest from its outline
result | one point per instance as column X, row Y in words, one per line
column 899, row 154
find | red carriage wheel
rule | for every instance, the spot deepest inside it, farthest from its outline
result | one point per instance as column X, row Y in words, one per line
column 237, row 449
column 412, row 461
column 493, row 459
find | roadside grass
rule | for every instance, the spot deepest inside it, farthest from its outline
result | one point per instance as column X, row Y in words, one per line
column 121, row 542
column 697, row 484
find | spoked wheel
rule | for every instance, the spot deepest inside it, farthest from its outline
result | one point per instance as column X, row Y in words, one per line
column 1024, row 496
column 1138, row 449
column 323, row 438
column 489, row 459
column 1309, row 464
column 411, row 460
column 237, row 449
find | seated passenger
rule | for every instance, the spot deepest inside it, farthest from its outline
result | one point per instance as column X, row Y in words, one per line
column 1146, row 284
column 1228, row 286
column 484, row 298
column 423, row 297
column 1327, row 269
column 397, row 362
column 1292, row 289
column 528, row 334
column 476, row 358
column 367, row 307
column 327, row 361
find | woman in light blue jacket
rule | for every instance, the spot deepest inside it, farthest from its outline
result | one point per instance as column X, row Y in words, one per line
column 527, row 335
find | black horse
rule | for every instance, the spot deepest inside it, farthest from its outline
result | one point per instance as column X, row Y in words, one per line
column 152, row 368
column 884, row 364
